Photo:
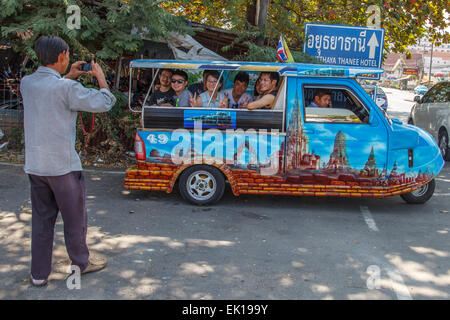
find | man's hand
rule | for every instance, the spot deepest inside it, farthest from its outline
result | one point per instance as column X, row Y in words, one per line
column 97, row 72
column 75, row 70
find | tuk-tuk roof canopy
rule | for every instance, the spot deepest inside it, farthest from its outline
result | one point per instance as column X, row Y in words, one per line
column 284, row 69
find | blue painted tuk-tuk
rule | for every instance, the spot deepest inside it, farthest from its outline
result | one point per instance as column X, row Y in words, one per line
column 290, row 147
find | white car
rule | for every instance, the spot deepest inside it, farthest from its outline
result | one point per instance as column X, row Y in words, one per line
column 432, row 113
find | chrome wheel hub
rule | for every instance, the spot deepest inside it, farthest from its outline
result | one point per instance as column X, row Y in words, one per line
column 201, row 185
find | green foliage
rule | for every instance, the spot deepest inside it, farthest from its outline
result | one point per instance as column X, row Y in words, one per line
column 405, row 21
column 194, row 77
column 16, row 139
column 112, row 135
column 106, row 25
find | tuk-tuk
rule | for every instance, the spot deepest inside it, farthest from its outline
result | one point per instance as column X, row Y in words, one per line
column 351, row 149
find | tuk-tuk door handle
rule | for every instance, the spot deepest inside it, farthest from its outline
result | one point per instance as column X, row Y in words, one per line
column 309, row 131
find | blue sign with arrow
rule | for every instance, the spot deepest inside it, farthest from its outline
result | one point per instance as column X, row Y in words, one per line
column 345, row 45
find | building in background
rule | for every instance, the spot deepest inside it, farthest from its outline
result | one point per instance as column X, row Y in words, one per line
column 408, row 70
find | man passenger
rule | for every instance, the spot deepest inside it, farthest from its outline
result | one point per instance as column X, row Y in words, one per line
column 237, row 95
column 322, row 99
column 268, row 87
column 182, row 95
column 163, row 96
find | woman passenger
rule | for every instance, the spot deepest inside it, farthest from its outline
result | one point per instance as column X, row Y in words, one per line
column 219, row 99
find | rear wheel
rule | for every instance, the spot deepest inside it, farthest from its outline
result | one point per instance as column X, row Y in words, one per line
column 420, row 195
column 202, row 184
column 443, row 145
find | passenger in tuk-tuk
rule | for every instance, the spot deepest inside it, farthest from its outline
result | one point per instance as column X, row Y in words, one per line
column 219, row 100
column 164, row 95
column 268, row 86
column 237, row 95
column 182, row 95
column 257, row 93
column 322, row 99
column 200, row 87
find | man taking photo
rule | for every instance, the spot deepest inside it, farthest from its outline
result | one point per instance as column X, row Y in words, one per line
column 54, row 168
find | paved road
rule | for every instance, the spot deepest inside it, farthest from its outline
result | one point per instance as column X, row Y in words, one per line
column 247, row 247
column 400, row 103
column 243, row 248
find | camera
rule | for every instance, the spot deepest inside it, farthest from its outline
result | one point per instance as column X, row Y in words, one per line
column 86, row 67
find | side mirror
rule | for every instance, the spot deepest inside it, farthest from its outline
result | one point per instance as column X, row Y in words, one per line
column 396, row 121
column 417, row 99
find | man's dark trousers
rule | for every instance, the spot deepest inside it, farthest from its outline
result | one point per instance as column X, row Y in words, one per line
column 49, row 195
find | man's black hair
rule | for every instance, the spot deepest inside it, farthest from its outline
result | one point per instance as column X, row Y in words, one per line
column 242, row 77
column 48, row 48
column 180, row 73
column 273, row 76
column 322, row 92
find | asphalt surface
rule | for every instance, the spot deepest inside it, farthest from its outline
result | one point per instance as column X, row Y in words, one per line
column 246, row 247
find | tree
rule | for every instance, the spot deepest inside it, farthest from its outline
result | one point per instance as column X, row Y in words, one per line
column 105, row 29
column 106, row 33
column 405, row 21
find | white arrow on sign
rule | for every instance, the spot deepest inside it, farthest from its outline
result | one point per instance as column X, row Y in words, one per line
column 373, row 44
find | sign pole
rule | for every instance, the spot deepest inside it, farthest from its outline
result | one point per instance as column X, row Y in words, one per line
column 431, row 63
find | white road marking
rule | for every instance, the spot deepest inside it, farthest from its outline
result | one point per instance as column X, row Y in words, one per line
column 442, row 194
column 401, row 290
column 368, row 218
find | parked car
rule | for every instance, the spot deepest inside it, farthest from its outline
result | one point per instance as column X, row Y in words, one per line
column 420, row 89
column 381, row 100
column 432, row 113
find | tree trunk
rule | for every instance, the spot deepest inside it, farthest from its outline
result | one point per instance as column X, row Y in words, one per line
column 262, row 18
column 257, row 16
column 118, row 71
column 251, row 13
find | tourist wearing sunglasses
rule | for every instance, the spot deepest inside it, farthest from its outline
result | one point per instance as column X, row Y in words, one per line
column 182, row 95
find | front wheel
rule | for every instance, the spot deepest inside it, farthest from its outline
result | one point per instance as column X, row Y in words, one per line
column 420, row 195
column 202, row 184
column 443, row 145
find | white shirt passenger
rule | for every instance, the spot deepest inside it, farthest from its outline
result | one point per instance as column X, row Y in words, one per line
column 233, row 104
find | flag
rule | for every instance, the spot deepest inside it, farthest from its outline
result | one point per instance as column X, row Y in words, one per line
column 283, row 53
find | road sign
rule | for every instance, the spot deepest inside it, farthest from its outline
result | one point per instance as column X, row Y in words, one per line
column 345, row 45
column 411, row 71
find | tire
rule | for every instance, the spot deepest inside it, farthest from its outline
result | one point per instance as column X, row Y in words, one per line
column 410, row 121
column 421, row 195
column 202, row 184
column 444, row 145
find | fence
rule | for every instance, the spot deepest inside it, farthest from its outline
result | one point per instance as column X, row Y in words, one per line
column 11, row 107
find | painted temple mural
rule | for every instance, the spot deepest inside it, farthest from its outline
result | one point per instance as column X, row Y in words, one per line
column 292, row 163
